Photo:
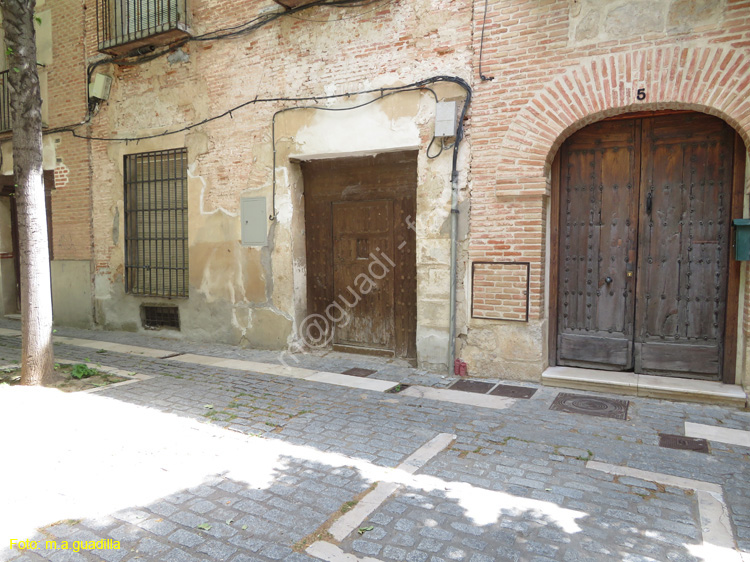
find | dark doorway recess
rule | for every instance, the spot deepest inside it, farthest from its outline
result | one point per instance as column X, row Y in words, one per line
column 8, row 189
column 359, row 222
column 644, row 278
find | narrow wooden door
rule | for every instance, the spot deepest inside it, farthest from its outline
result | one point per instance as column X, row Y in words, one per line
column 645, row 209
column 684, row 243
column 598, row 237
column 364, row 273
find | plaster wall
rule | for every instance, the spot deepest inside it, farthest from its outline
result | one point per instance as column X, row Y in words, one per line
column 256, row 296
column 71, row 292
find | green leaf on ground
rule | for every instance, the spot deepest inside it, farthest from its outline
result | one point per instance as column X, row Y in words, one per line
column 363, row 530
column 204, row 527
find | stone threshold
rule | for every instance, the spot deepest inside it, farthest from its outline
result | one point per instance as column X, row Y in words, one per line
column 647, row 386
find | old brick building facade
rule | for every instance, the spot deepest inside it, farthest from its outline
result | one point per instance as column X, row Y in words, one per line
column 274, row 191
column 558, row 67
column 62, row 53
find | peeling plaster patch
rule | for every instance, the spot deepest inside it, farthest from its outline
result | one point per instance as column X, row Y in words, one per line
column 356, row 131
column 178, row 56
column 102, row 286
column 116, row 226
column 299, row 280
column 61, row 175
column 204, row 187
column 284, row 207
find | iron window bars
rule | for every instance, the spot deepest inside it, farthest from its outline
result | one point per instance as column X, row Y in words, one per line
column 156, row 223
column 124, row 21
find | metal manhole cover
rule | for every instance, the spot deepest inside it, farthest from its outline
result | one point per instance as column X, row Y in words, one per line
column 511, row 391
column 683, row 443
column 359, row 372
column 472, row 386
column 591, row 406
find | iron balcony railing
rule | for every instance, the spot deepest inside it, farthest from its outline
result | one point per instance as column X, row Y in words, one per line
column 5, row 124
column 126, row 21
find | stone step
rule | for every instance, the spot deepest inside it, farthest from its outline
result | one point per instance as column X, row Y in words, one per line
column 666, row 388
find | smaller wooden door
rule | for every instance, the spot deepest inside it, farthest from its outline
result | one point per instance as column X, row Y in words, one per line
column 363, row 274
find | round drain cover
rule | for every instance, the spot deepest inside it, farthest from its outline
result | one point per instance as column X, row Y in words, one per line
column 591, row 405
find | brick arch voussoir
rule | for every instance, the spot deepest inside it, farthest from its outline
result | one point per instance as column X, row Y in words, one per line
column 713, row 80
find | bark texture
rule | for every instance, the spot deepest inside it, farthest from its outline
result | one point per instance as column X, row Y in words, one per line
column 26, row 111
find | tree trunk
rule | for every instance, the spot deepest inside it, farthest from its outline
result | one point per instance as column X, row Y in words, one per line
column 37, row 358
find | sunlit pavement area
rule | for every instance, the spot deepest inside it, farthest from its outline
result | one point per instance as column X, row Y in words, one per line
column 202, row 462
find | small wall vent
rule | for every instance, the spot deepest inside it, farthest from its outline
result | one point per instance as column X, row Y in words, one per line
column 157, row 317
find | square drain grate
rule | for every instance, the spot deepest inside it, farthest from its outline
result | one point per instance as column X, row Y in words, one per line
column 511, row 391
column 472, row 386
column 683, row 443
column 359, row 372
column 591, row 406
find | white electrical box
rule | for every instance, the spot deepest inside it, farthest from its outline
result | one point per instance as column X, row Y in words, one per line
column 445, row 119
column 100, row 86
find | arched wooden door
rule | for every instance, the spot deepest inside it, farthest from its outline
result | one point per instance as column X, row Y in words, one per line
column 645, row 209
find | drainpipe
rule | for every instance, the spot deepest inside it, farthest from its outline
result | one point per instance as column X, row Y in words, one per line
column 454, row 222
column 454, row 259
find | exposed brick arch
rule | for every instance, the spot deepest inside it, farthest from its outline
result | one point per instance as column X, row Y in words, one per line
column 714, row 80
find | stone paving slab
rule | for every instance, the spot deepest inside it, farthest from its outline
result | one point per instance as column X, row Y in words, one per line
column 513, row 486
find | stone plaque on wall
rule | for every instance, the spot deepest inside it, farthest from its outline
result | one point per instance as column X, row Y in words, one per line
column 500, row 290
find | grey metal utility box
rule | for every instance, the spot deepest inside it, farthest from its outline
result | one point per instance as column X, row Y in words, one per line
column 254, row 221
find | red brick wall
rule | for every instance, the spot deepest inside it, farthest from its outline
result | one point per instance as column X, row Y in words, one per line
column 66, row 102
column 544, row 90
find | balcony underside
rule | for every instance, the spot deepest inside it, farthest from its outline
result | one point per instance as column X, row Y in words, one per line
column 156, row 37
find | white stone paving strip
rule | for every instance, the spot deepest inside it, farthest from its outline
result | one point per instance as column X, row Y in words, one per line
column 287, row 371
column 9, row 332
column 351, row 520
column 110, row 346
column 720, row 434
column 459, row 397
column 718, row 539
column 352, row 382
column 338, row 379
column 332, row 553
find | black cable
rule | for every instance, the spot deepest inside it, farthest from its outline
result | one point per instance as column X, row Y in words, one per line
column 344, row 18
column 420, row 85
column 481, row 47
column 134, row 58
column 415, row 86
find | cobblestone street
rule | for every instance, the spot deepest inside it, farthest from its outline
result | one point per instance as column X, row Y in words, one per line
column 203, row 462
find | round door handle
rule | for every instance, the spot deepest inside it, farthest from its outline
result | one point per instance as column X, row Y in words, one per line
column 608, row 280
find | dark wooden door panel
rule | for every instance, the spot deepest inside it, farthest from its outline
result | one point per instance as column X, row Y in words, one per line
column 598, row 217
column 684, row 245
column 658, row 358
column 362, row 276
column 596, row 351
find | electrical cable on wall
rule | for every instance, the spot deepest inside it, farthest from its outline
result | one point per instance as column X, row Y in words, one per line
column 137, row 56
column 481, row 47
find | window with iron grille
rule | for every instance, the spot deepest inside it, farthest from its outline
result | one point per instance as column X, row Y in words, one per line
column 156, row 223
column 123, row 22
